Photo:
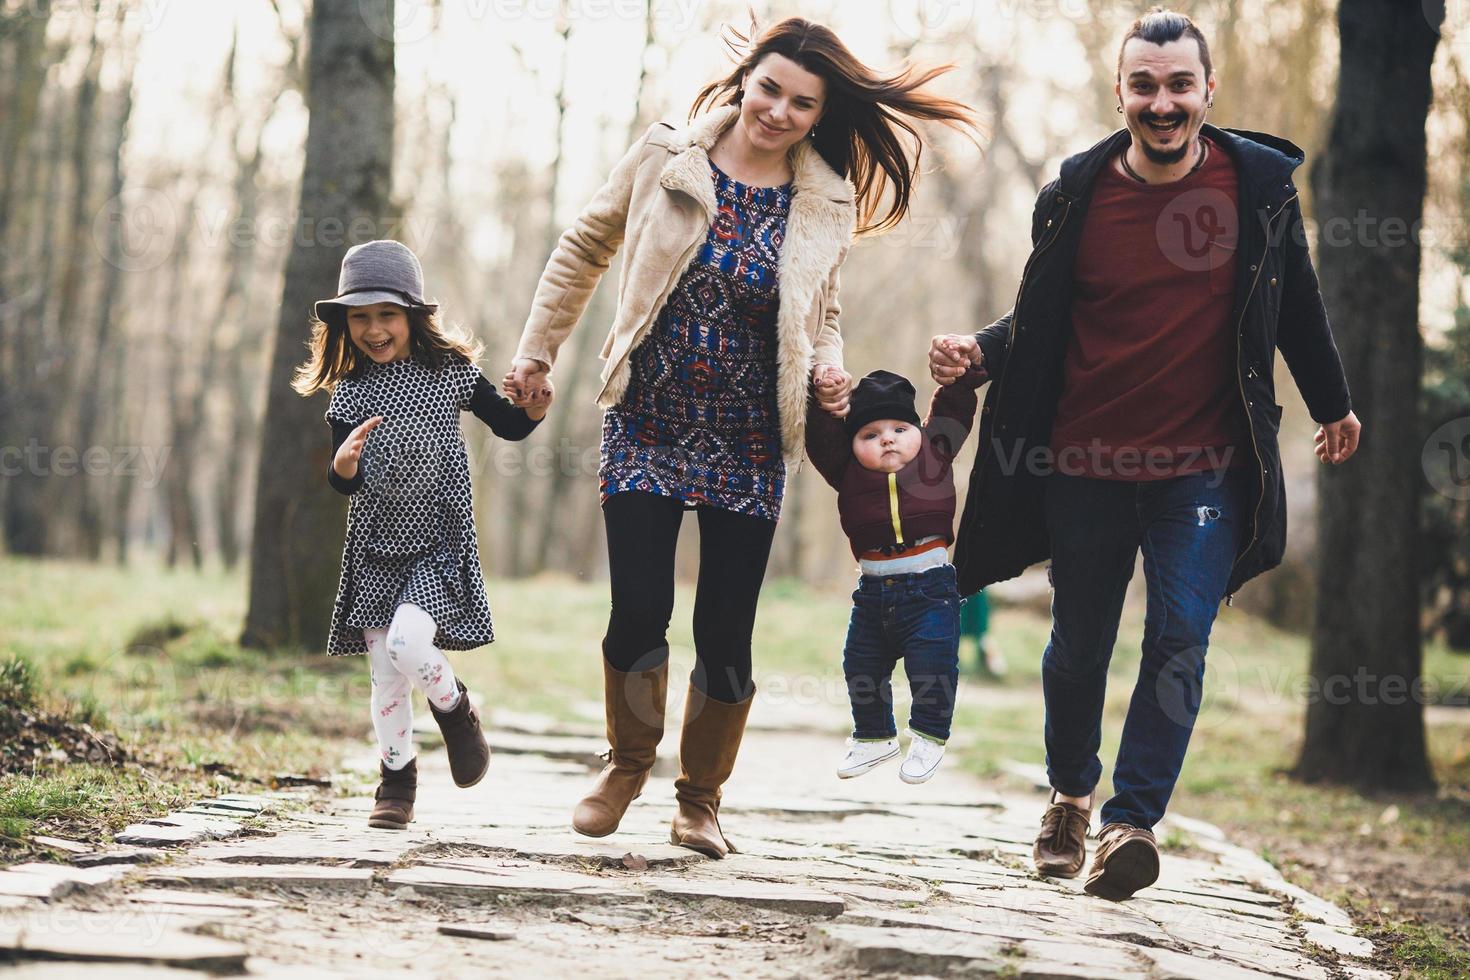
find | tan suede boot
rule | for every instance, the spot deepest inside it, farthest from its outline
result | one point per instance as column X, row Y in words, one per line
column 634, row 705
column 707, row 749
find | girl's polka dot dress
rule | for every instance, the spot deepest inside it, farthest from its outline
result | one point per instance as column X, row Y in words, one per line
column 410, row 526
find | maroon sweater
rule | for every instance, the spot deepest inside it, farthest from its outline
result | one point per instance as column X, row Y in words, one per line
column 1150, row 371
column 887, row 511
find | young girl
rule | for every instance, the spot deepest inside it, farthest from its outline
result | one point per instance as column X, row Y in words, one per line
column 411, row 586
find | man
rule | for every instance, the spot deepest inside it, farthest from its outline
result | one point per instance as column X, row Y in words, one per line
column 1132, row 406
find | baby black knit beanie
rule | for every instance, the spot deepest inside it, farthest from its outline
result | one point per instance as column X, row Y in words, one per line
column 880, row 395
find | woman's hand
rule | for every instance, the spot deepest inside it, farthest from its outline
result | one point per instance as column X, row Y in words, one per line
column 525, row 378
column 344, row 464
column 538, row 399
column 833, row 386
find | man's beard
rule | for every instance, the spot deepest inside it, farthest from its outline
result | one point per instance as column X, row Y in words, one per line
column 1164, row 157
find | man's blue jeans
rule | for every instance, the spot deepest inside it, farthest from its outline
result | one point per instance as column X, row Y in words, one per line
column 1189, row 528
column 915, row 618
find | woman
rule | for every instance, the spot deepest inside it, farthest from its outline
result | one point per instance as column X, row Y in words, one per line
column 734, row 230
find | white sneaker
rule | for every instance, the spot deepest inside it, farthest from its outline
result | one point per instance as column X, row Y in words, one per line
column 863, row 757
column 922, row 760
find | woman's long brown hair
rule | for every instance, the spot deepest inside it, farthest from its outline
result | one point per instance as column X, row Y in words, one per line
column 864, row 114
column 334, row 356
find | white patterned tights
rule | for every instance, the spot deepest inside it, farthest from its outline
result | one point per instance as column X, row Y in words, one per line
column 400, row 658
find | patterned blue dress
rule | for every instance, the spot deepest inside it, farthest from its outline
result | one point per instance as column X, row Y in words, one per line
column 699, row 422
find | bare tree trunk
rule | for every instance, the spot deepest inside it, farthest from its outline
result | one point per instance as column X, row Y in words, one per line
column 183, row 427
column 1365, row 727
column 244, row 417
column 188, row 406
column 347, row 178
column 23, row 70
column 75, row 345
column 24, row 60
column 25, row 499
column 552, row 538
column 91, row 383
column 518, row 493
column 231, row 320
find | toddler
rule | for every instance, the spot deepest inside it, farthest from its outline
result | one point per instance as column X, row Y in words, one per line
column 896, row 500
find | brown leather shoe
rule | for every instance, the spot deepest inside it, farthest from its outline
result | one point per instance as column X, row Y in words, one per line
column 395, row 795
column 634, row 705
column 707, row 749
column 1127, row 860
column 469, row 753
column 1061, row 845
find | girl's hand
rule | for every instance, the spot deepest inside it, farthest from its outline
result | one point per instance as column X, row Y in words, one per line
column 833, row 386
column 539, row 399
column 345, row 462
column 524, row 378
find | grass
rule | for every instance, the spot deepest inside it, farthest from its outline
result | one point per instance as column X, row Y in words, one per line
column 1422, row 951
column 82, row 800
column 150, row 654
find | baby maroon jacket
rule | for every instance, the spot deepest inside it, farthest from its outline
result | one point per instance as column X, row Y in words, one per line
column 886, row 512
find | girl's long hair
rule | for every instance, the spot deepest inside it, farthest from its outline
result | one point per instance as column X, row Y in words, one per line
column 866, row 132
column 334, row 356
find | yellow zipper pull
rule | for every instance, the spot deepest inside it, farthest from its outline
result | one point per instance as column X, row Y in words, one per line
column 893, row 508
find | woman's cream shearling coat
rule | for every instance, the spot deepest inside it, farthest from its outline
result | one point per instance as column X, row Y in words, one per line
column 658, row 204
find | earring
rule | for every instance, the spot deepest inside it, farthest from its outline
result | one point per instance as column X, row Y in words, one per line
column 1210, row 104
column 812, row 133
column 1118, row 109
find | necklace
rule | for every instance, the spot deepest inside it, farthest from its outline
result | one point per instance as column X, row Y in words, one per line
column 1204, row 152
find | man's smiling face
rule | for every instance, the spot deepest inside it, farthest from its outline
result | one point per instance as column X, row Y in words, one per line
column 1163, row 90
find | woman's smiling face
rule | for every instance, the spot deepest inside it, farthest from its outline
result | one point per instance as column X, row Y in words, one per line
column 380, row 331
column 780, row 104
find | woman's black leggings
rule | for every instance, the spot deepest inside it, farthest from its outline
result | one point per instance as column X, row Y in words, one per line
column 642, row 531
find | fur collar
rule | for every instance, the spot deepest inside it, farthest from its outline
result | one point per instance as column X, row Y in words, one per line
column 688, row 171
column 819, row 229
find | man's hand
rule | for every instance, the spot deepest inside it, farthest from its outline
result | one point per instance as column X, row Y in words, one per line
column 833, row 386
column 1337, row 441
column 951, row 355
column 344, row 464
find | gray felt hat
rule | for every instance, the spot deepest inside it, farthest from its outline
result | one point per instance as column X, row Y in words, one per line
column 377, row 272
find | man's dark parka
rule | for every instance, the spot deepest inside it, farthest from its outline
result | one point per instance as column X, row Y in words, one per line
column 1277, row 305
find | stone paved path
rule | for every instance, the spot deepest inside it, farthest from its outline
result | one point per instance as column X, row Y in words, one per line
column 866, row 877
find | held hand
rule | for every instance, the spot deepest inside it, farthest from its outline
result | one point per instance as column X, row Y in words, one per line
column 345, row 462
column 833, row 386
column 951, row 355
column 539, row 399
column 525, row 377
column 1337, row 441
